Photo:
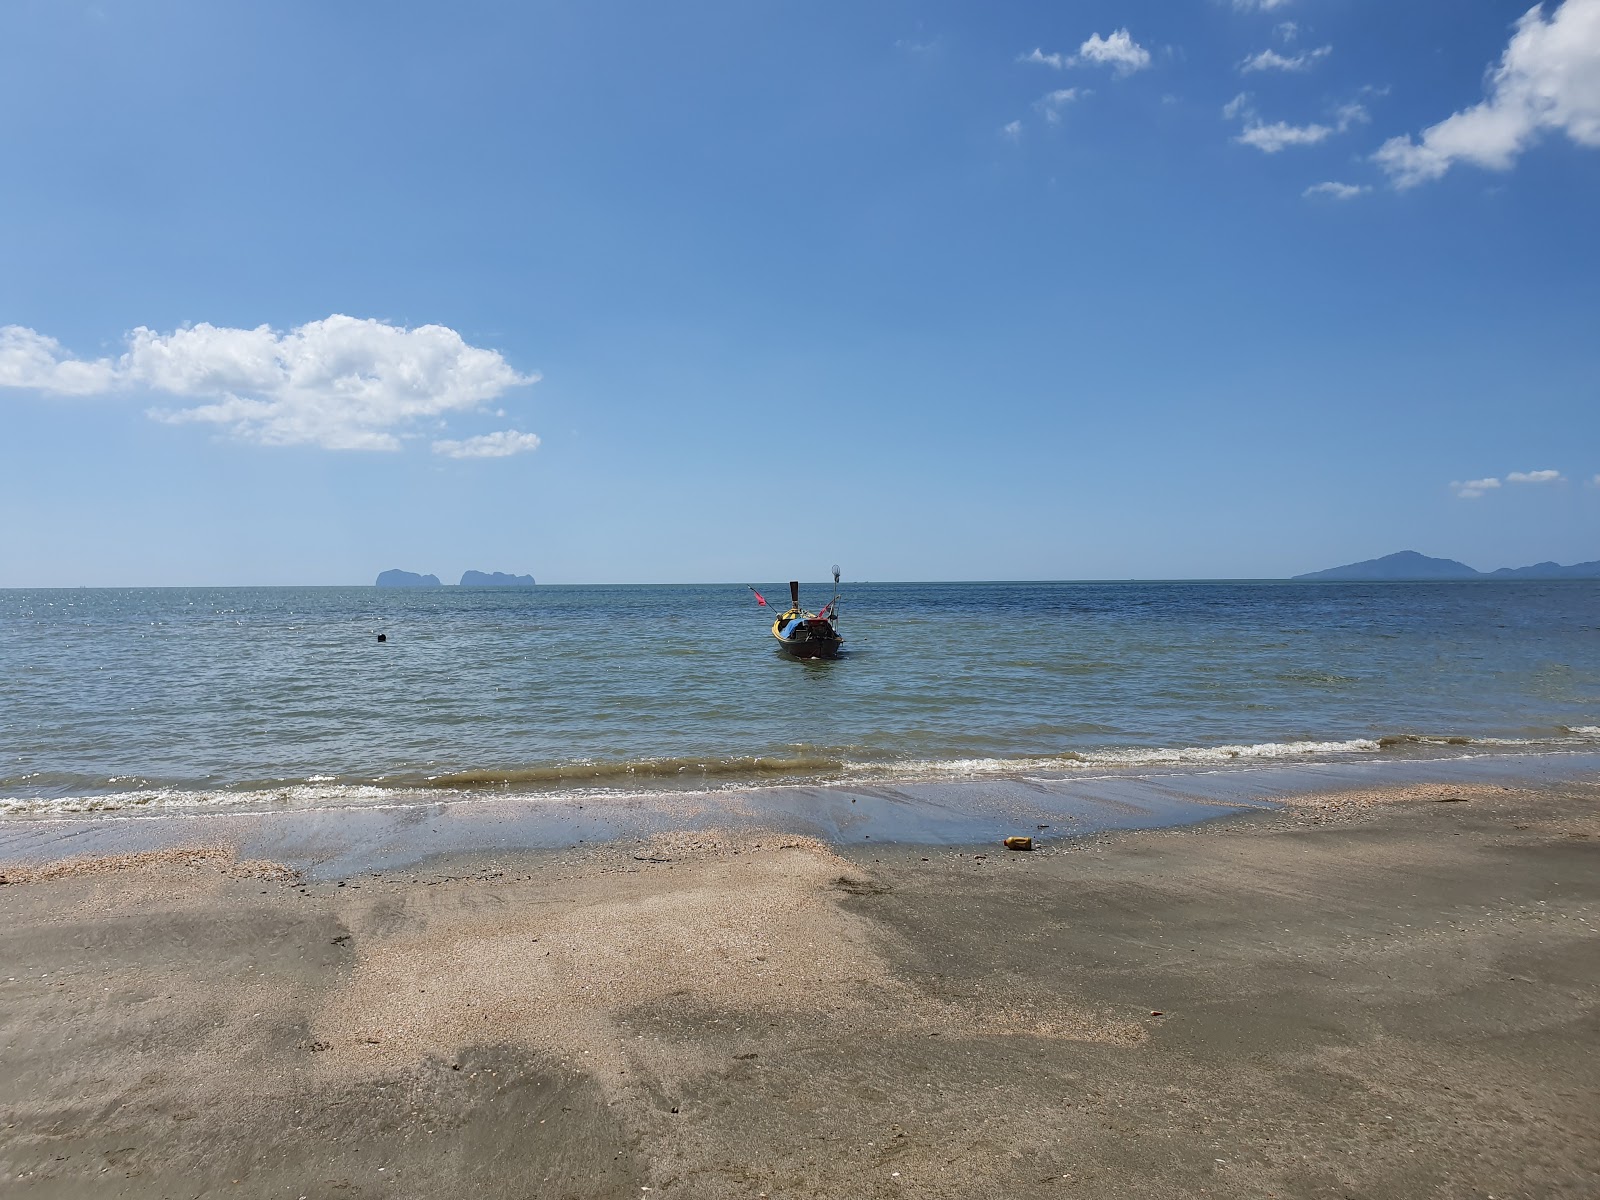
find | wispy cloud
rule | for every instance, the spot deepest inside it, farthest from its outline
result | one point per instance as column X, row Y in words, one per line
column 1269, row 139
column 1271, row 60
column 1051, row 103
column 1260, row 5
column 489, row 445
column 1239, row 106
column 1548, row 79
column 1118, row 51
column 340, row 383
column 1473, row 488
column 1011, row 131
column 1278, row 135
column 1336, row 191
column 1039, row 57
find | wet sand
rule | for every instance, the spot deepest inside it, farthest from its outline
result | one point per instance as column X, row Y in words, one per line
column 1373, row 992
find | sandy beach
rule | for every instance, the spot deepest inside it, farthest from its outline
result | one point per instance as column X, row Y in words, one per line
column 1380, row 993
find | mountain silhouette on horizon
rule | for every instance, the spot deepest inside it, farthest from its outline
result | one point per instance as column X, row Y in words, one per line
column 1411, row 565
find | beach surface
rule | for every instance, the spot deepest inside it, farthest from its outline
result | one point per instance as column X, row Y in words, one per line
column 1382, row 992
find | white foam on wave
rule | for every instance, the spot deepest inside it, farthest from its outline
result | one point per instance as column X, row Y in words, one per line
column 175, row 800
column 1133, row 756
column 318, row 791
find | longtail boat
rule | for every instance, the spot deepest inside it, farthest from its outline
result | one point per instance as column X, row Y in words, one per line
column 807, row 634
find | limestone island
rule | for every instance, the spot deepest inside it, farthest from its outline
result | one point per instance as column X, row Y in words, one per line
column 398, row 578
column 494, row 579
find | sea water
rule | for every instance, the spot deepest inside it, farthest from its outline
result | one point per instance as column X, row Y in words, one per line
column 190, row 698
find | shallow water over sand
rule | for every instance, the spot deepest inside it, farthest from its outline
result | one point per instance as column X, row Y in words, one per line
column 194, row 699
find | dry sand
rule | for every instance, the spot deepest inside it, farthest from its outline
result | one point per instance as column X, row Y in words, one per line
column 1380, row 994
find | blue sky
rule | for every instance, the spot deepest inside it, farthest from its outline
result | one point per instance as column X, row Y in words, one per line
column 933, row 290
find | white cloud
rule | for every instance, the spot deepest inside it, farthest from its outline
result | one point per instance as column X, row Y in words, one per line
column 1012, row 131
column 339, row 383
column 1047, row 60
column 1336, row 191
column 31, row 360
column 1287, row 31
column 1239, row 106
column 1473, row 488
column 489, row 445
column 1535, row 477
column 1351, row 114
column 1271, row 60
column 1051, row 103
column 1270, row 139
column 1548, row 79
column 1119, row 52
column 1260, row 5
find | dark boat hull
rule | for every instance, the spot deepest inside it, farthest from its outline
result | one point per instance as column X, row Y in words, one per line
column 814, row 638
column 812, row 647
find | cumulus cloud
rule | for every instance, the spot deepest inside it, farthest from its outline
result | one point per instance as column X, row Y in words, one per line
column 1535, row 477
column 1051, row 103
column 31, row 360
column 340, row 383
column 1271, row 60
column 1548, row 79
column 503, row 444
column 1119, row 52
column 1336, row 191
column 1473, row 488
column 1011, row 131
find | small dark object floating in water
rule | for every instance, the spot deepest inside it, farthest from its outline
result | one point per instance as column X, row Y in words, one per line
column 807, row 634
column 383, row 637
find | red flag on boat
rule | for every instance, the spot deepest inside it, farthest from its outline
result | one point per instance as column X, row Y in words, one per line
column 760, row 599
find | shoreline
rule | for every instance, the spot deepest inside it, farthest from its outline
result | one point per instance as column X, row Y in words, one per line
column 1391, row 992
column 348, row 838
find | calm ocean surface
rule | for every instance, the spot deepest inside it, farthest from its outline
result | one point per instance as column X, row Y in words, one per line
column 118, row 700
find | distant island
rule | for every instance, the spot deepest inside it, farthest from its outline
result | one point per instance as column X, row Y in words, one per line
column 398, row 578
column 410, row 579
column 1408, row 564
column 494, row 579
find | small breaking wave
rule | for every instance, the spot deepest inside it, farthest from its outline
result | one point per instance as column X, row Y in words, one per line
column 692, row 768
column 822, row 767
column 177, row 800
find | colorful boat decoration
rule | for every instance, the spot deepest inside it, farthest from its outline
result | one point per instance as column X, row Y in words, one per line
column 803, row 633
